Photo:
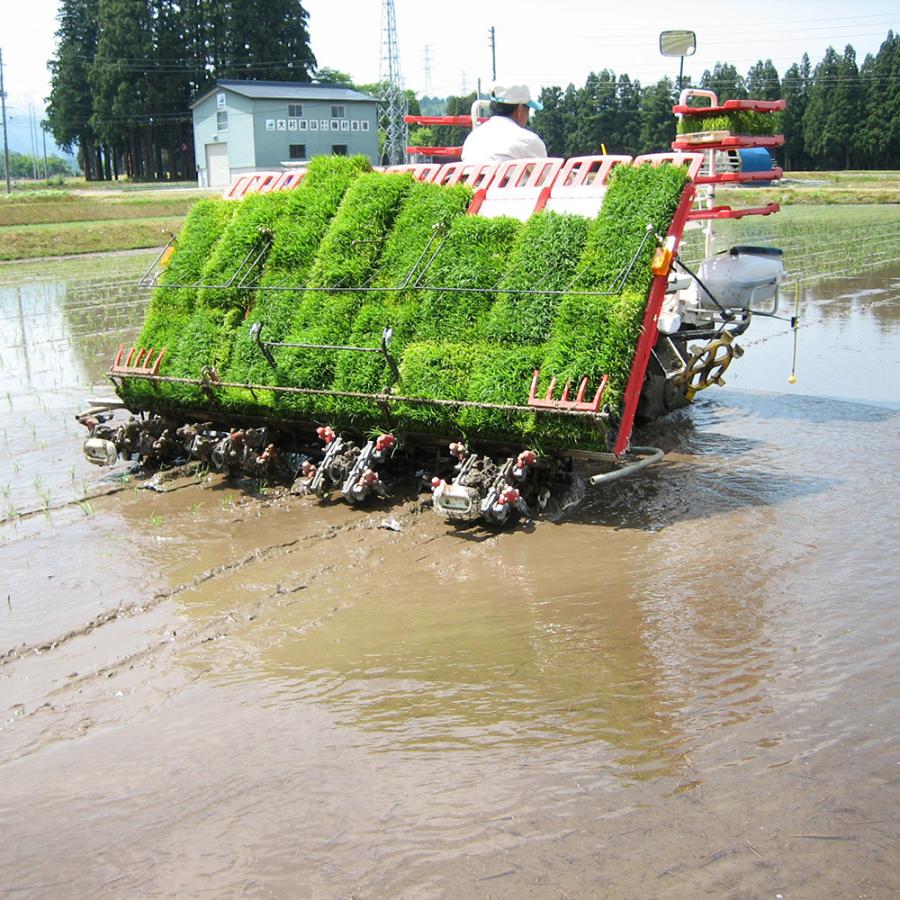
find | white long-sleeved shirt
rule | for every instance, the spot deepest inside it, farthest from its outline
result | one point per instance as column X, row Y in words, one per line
column 500, row 139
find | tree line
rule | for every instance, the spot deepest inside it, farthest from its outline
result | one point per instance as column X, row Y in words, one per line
column 23, row 165
column 125, row 72
column 838, row 115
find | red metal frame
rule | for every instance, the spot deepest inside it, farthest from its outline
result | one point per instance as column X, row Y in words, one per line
column 139, row 361
column 725, row 177
column 463, row 121
column 738, row 141
column 649, row 330
column 579, row 403
column 726, row 212
column 729, row 106
column 436, row 151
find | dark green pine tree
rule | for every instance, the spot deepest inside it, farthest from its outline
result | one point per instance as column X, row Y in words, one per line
column 879, row 137
column 569, row 109
column 849, row 110
column 178, row 73
column 268, row 41
column 762, row 82
column 550, row 122
column 69, row 106
column 834, row 113
column 795, row 88
column 725, row 81
column 627, row 126
column 822, row 143
column 596, row 114
column 120, row 82
column 657, row 123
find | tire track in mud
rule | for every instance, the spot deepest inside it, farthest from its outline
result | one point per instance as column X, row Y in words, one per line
column 69, row 707
column 141, row 606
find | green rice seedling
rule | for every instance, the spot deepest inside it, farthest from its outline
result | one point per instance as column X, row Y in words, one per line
column 503, row 375
column 579, row 334
column 202, row 345
column 738, row 121
column 171, row 306
column 637, row 196
column 304, row 220
column 427, row 210
column 623, row 328
column 437, row 371
column 346, row 259
column 544, row 258
column 464, row 278
column 253, row 223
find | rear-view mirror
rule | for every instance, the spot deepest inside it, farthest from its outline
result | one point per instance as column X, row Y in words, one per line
column 677, row 43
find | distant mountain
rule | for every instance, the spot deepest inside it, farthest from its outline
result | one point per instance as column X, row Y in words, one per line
column 19, row 139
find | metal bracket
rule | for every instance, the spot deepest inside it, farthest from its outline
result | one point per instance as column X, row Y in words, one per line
column 579, row 403
column 139, row 361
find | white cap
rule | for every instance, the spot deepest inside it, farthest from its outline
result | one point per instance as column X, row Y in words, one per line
column 514, row 95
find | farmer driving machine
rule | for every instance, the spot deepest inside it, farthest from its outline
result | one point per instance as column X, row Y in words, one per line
column 475, row 326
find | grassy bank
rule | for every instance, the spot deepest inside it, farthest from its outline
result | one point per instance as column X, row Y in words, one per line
column 819, row 189
column 36, row 241
column 58, row 221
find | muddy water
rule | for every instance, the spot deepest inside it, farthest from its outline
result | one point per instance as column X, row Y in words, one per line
column 687, row 683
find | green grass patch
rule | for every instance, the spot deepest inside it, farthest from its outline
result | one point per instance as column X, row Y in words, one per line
column 35, row 241
column 46, row 208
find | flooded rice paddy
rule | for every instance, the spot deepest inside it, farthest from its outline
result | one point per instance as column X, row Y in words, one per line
column 686, row 683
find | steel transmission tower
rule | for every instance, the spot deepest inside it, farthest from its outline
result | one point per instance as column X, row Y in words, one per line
column 394, row 104
column 428, row 87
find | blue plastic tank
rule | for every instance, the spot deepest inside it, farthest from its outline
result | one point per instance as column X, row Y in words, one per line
column 756, row 159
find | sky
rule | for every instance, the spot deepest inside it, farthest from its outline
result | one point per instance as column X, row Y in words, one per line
column 539, row 44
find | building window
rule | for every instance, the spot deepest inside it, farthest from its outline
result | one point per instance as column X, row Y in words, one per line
column 338, row 112
column 295, row 110
column 313, row 124
column 297, row 151
column 364, row 125
column 354, row 125
column 339, row 149
column 301, row 124
column 221, row 121
column 345, row 125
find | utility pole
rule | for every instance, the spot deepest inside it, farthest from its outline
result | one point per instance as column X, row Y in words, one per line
column 493, row 35
column 394, row 104
column 3, row 107
column 34, row 168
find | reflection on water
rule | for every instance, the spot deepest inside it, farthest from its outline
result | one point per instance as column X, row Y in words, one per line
column 847, row 342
